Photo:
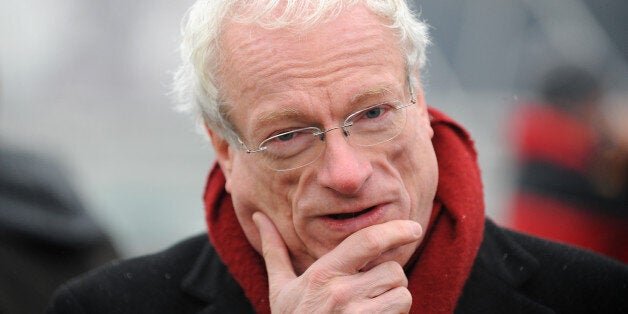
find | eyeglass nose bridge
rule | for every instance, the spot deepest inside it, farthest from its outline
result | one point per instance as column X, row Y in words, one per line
column 344, row 127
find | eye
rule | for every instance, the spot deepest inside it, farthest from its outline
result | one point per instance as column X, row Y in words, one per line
column 376, row 112
column 290, row 143
column 286, row 136
column 290, row 138
column 373, row 113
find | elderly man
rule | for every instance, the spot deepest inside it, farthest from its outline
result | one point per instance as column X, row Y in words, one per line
column 336, row 188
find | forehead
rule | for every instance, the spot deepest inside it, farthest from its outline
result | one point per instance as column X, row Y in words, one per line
column 354, row 54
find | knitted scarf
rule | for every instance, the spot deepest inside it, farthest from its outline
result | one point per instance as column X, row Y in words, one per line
column 444, row 259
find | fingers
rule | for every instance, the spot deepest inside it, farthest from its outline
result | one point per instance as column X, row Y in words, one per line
column 380, row 279
column 274, row 251
column 359, row 289
column 335, row 281
column 365, row 245
column 397, row 300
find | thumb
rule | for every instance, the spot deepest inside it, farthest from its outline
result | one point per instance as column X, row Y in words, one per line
column 275, row 253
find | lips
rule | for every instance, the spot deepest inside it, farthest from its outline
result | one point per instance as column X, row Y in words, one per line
column 345, row 216
column 346, row 222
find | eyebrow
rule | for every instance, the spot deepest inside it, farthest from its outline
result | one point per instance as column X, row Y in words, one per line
column 369, row 93
column 292, row 114
column 274, row 117
column 285, row 113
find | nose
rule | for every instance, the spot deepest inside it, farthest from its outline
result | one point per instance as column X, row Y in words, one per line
column 344, row 168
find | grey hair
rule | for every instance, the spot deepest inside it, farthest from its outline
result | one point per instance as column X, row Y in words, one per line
column 196, row 83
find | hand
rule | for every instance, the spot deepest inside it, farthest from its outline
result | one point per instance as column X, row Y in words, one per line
column 334, row 283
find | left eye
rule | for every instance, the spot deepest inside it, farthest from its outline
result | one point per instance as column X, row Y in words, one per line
column 374, row 112
column 286, row 136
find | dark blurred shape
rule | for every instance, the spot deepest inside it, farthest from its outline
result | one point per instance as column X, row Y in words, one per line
column 570, row 89
column 572, row 182
column 46, row 236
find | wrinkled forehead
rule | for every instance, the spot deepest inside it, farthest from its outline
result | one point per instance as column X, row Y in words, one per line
column 261, row 63
column 241, row 39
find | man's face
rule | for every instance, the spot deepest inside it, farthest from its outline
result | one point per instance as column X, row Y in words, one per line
column 278, row 80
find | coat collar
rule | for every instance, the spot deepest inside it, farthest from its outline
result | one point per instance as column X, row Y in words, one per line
column 498, row 277
column 499, row 273
column 209, row 280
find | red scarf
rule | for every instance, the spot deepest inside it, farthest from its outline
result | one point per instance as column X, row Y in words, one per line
column 446, row 255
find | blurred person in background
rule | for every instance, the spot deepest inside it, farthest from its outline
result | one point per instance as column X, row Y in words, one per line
column 46, row 234
column 572, row 165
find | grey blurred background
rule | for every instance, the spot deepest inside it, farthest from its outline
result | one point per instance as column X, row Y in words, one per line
column 87, row 82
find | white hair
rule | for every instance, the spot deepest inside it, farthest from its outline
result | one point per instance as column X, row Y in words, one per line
column 196, row 83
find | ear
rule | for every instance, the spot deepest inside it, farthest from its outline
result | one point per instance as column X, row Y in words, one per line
column 419, row 95
column 224, row 153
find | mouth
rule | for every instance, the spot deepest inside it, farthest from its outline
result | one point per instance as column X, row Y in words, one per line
column 349, row 222
column 346, row 216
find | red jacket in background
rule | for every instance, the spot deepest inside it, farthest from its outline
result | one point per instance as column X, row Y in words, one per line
column 555, row 196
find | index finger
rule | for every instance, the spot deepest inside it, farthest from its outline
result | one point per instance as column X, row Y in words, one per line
column 274, row 251
column 369, row 243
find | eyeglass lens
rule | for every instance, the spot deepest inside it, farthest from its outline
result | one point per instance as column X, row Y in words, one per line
column 367, row 127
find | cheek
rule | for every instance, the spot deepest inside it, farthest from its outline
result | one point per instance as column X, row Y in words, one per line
column 243, row 195
column 255, row 189
column 411, row 153
column 415, row 162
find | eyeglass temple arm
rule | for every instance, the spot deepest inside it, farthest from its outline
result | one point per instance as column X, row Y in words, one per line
column 249, row 151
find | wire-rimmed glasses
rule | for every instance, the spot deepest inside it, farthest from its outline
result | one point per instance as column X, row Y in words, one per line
column 300, row 147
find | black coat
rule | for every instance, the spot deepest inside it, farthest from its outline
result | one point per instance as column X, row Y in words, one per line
column 513, row 273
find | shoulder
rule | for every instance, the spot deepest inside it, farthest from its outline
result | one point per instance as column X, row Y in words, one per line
column 569, row 264
column 148, row 283
column 519, row 273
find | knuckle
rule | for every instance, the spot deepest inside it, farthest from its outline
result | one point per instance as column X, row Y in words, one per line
column 396, row 272
column 404, row 294
column 372, row 242
column 340, row 293
column 402, row 301
column 316, row 276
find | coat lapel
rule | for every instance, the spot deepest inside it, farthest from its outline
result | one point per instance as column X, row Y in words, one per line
column 209, row 281
column 495, row 284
